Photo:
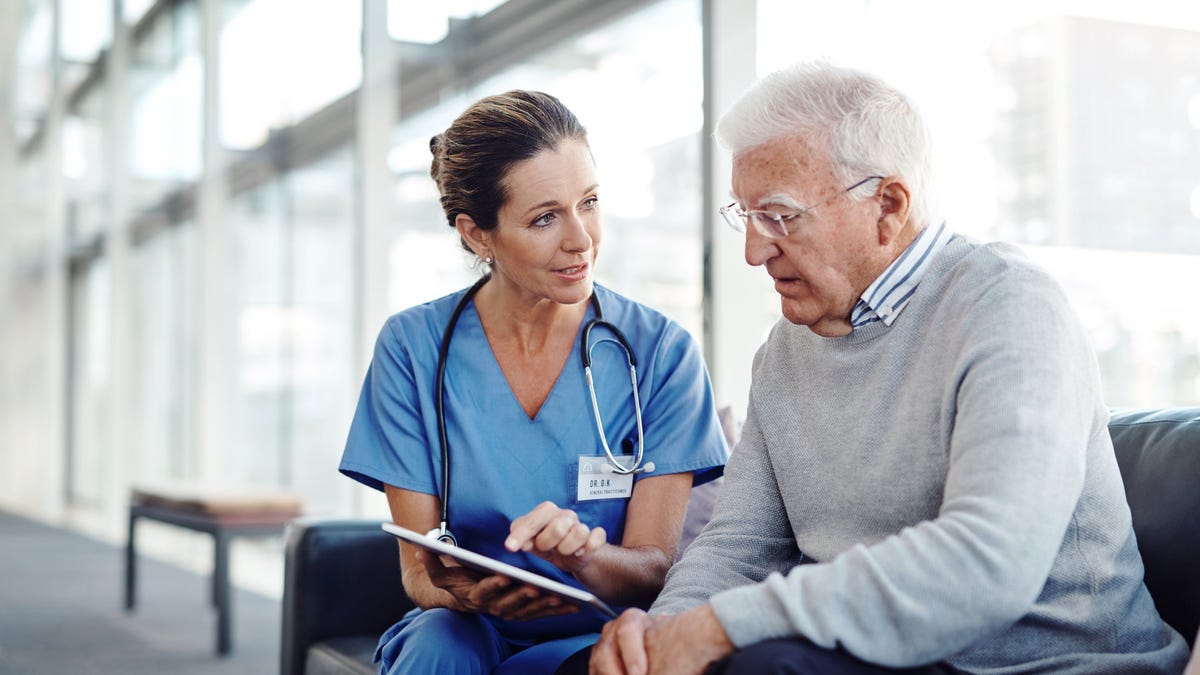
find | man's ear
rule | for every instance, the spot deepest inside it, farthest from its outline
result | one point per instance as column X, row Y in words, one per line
column 893, row 213
column 477, row 238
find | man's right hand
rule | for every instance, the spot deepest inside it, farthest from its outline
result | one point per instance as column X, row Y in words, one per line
column 621, row 649
column 684, row 644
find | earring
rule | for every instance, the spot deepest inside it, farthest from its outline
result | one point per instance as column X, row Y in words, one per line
column 488, row 260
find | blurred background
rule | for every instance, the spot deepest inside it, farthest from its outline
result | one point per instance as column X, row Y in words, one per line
column 211, row 206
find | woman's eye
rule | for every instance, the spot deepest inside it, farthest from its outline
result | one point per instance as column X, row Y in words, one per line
column 591, row 203
column 544, row 220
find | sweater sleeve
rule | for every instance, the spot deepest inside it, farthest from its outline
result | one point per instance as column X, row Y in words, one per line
column 1024, row 399
column 747, row 538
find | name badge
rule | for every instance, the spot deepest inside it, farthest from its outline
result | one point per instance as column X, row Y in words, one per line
column 595, row 483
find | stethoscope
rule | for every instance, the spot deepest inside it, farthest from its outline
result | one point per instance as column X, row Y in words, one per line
column 612, row 465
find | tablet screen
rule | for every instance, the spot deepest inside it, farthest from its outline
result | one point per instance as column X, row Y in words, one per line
column 483, row 563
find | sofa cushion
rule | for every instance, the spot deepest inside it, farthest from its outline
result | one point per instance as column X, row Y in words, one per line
column 219, row 500
column 1159, row 455
column 342, row 656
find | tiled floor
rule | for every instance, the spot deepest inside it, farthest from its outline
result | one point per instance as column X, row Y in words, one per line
column 61, row 611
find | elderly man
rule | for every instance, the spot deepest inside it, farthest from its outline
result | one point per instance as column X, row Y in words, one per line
column 925, row 481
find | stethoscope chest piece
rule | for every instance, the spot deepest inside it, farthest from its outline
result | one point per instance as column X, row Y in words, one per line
column 442, row 534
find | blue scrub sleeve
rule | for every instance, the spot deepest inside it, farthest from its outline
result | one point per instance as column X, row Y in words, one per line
column 388, row 442
column 680, row 419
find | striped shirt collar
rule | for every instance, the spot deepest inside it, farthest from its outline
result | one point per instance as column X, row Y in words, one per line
column 890, row 292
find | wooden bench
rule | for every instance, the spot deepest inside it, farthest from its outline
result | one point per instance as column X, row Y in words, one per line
column 224, row 513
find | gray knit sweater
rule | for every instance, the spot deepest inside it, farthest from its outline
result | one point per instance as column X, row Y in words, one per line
column 953, row 481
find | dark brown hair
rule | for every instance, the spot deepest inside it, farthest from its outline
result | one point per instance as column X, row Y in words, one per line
column 472, row 158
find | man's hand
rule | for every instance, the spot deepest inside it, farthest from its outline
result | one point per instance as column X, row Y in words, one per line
column 686, row 643
column 640, row 644
column 621, row 649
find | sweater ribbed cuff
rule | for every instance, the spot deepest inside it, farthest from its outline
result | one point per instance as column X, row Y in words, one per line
column 750, row 614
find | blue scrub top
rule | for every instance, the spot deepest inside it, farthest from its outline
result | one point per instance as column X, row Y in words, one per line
column 502, row 463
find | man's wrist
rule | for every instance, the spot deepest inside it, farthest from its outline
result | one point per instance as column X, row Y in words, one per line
column 711, row 628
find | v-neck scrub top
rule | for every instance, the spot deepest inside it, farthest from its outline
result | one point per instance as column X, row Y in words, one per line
column 502, row 463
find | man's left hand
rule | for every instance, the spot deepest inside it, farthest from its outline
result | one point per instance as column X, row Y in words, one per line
column 687, row 643
column 674, row 645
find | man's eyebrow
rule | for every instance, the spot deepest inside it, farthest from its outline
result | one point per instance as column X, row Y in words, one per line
column 779, row 199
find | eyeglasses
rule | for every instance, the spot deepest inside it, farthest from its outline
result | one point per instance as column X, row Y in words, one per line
column 776, row 224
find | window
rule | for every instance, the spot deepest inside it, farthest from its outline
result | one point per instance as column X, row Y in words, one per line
column 648, row 165
column 89, row 459
column 166, row 86
column 1065, row 127
column 312, row 58
column 164, row 352
column 293, row 322
column 32, row 74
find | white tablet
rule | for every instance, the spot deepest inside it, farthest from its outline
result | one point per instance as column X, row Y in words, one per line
column 483, row 563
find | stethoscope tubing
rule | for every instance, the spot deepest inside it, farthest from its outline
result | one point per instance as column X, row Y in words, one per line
column 586, row 357
column 443, row 530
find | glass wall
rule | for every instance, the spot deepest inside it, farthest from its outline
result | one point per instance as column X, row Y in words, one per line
column 260, row 321
column 164, row 353
column 323, row 207
column 1069, row 128
column 264, row 88
column 89, row 455
column 648, row 165
column 86, row 28
column 33, row 74
column 293, row 321
column 425, row 260
column 165, row 86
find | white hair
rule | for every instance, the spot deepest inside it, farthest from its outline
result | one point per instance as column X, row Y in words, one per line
column 867, row 127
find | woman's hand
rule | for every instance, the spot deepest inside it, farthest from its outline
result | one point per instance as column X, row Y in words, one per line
column 496, row 595
column 555, row 534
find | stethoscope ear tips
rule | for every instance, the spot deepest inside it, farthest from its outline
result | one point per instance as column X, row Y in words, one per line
column 647, row 467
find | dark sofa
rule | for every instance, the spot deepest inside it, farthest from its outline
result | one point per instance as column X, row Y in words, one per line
column 342, row 578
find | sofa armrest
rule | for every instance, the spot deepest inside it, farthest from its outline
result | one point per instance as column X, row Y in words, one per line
column 341, row 578
column 1158, row 452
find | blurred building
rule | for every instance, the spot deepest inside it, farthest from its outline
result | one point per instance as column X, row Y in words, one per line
column 211, row 206
column 1098, row 134
column 1097, row 155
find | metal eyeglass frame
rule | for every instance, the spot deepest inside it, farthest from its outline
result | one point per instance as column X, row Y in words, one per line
column 773, row 224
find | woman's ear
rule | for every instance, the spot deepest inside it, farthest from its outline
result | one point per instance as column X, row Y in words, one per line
column 893, row 212
column 477, row 238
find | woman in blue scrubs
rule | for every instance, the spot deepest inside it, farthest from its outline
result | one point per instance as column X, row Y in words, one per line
column 518, row 183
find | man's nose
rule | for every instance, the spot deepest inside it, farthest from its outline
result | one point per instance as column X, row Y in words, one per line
column 759, row 248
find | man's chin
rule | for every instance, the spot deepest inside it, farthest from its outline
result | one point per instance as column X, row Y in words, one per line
column 794, row 313
column 816, row 321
